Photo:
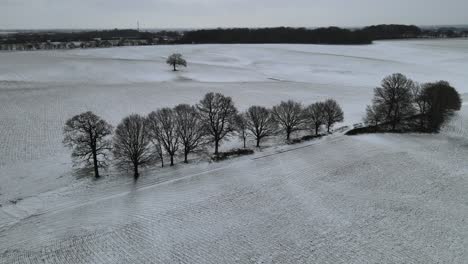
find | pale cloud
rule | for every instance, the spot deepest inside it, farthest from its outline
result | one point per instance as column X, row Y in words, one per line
column 226, row 13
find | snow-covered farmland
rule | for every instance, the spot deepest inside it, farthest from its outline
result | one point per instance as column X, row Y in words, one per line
column 377, row 198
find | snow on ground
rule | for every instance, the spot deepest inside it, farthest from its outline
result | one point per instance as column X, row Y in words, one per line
column 376, row 198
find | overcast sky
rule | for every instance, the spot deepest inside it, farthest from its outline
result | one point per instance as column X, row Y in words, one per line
column 226, row 13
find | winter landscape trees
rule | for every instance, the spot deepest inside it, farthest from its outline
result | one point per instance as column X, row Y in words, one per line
column 140, row 141
column 190, row 129
column 88, row 137
column 218, row 112
column 260, row 123
column 290, row 116
column 132, row 143
column 401, row 105
column 315, row 115
column 175, row 60
column 332, row 113
column 165, row 129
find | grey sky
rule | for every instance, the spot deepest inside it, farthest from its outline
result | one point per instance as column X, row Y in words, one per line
column 226, row 13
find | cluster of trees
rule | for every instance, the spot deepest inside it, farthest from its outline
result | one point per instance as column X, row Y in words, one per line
column 142, row 140
column 400, row 104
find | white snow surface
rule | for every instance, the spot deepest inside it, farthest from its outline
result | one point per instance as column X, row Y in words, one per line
column 366, row 199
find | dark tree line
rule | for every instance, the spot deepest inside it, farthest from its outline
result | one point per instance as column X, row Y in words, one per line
column 143, row 140
column 401, row 105
column 330, row 35
column 21, row 38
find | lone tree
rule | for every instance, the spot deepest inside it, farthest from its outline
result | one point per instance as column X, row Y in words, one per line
column 395, row 99
column 132, row 143
column 190, row 129
column 87, row 135
column 175, row 60
column 218, row 112
column 289, row 115
column 441, row 100
column 165, row 130
column 332, row 113
column 315, row 116
column 241, row 127
column 260, row 122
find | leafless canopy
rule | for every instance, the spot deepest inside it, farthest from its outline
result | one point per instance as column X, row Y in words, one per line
column 87, row 135
column 333, row 113
column 132, row 143
column 289, row 116
column 241, row 127
column 260, row 122
column 190, row 128
column 395, row 98
column 218, row 112
column 164, row 129
column 374, row 115
column 315, row 116
column 175, row 60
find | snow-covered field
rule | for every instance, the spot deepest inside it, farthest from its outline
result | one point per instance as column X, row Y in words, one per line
column 366, row 199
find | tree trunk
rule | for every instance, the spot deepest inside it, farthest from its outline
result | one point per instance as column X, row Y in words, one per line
column 162, row 162
column 186, row 156
column 172, row 160
column 216, row 147
column 258, row 142
column 288, row 133
column 96, row 166
column 328, row 128
column 175, row 69
column 136, row 174
column 316, row 130
column 244, row 143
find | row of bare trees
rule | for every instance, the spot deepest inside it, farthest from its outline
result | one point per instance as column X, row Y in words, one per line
column 400, row 104
column 142, row 140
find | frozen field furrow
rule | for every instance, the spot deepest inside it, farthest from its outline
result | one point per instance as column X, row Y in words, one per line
column 366, row 199
column 320, row 204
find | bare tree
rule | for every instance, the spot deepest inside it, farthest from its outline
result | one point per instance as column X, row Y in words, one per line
column 260, row 122
column 190, row 128
column 374, row 115
column 175, row 60
column 421, row 102
column 315, row 115
column 289, row 115
column 218, row 112
column 333, row 113
column 166, row 129
column 241, row 127
column 87, row 135
column 394, row 97
column 132, row 144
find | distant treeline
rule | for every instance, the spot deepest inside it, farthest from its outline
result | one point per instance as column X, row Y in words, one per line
column 329, row 35
column 20, row 38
